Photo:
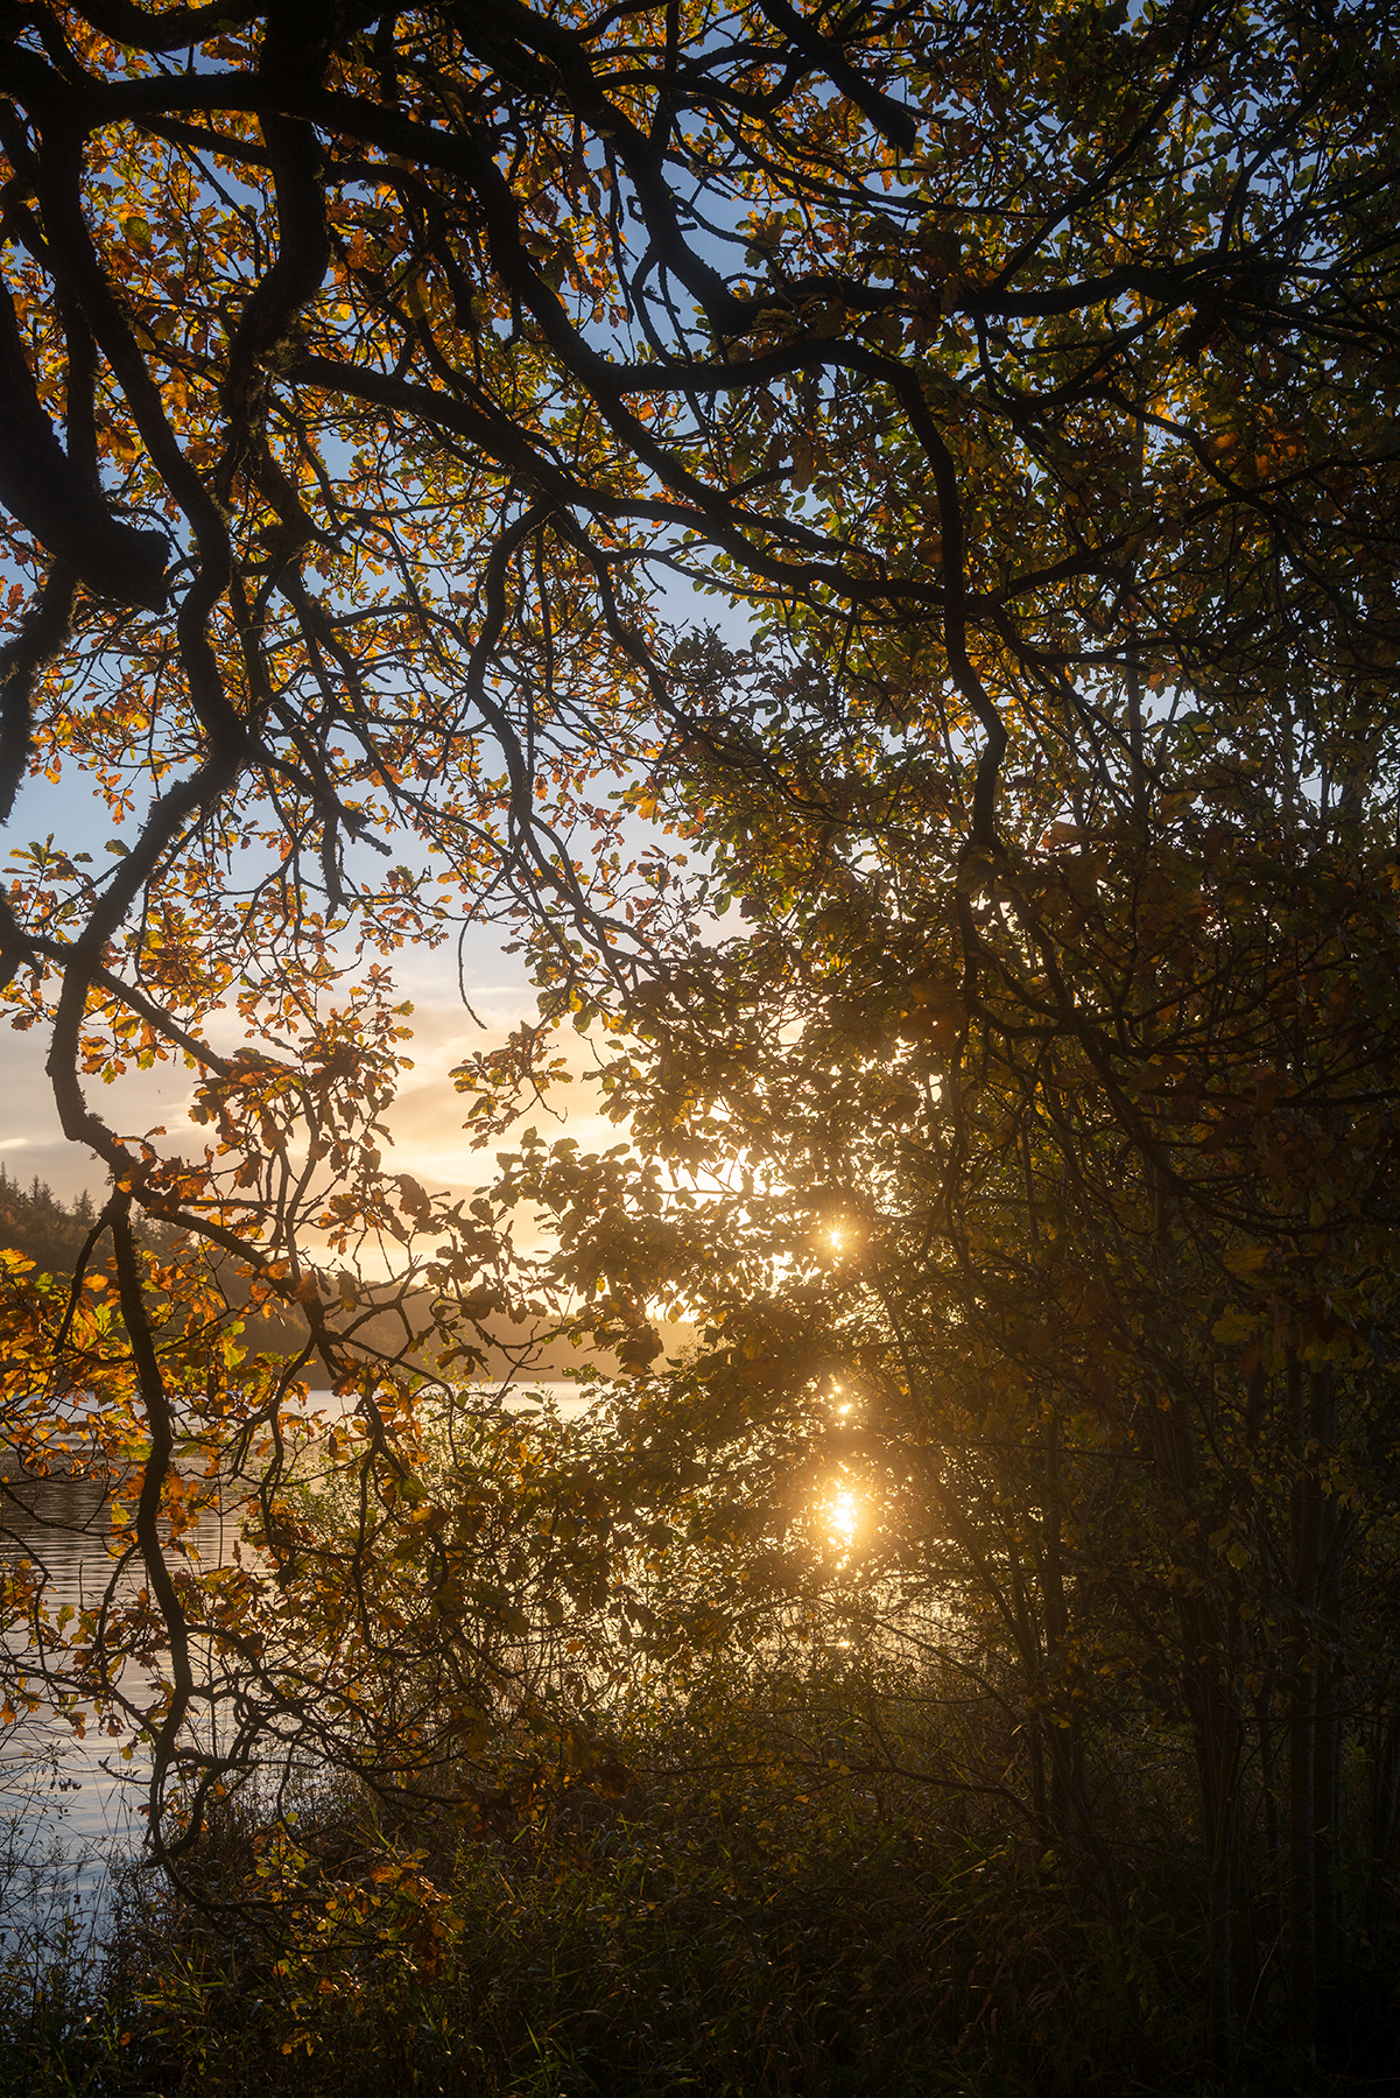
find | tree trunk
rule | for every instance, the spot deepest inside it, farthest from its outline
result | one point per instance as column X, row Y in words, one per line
column 1302, row 1722
column 1302, row 1861
column 1385, row 1811
column 1219, row 1743
column 1272, row 1890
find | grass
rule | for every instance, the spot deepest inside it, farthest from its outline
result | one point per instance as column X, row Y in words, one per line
column 739, row 1901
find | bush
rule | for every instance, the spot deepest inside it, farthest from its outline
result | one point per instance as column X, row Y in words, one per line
column 773, row 1889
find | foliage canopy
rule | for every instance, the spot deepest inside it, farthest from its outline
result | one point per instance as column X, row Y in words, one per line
column 1027, row 379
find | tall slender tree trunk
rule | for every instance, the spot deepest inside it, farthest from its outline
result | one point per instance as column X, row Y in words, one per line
column 1272, row 1892
column 1220, row 2008
column 1326, row 1813
column 1333, row 1536
column 1302, row 1860
column 1218, row 1737
column 1385, row 1814
column 1303, row 1776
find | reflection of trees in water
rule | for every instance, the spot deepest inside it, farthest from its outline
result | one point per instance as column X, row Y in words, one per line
column 72, row 1785
column 68, row 1787
column 53, row 1868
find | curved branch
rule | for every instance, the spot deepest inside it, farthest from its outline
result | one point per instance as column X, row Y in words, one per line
column 23, row 660
column 160, row 1420
column 50, row 497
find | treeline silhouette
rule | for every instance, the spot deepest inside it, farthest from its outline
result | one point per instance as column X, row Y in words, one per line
column 33, row 1221
column 36, row 1222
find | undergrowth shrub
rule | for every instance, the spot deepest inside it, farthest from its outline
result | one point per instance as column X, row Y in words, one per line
column 777, row 1888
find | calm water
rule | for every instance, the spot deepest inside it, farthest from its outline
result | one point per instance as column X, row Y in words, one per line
column 69, row 1806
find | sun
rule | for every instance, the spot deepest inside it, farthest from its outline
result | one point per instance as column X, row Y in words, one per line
column 838, row 1235
column 843, row 1515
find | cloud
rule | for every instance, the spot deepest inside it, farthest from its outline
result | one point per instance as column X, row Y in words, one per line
column 425, row 1122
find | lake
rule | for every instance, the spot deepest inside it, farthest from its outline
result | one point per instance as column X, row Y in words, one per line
column 70, row 1806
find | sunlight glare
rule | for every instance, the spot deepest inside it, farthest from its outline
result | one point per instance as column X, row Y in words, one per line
column 841, row 1510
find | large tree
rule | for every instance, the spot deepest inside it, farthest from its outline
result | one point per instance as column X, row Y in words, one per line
column 1077, row 1283
column 1031, row 372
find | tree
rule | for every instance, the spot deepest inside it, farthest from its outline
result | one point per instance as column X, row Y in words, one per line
column 1029, row 1233
column 1030, row 372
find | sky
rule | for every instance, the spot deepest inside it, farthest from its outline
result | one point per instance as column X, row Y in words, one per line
column 428, row 1116
column 427, row 1119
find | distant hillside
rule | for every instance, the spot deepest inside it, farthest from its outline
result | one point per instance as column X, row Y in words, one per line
column 36, row 1223
column 33, row 1221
